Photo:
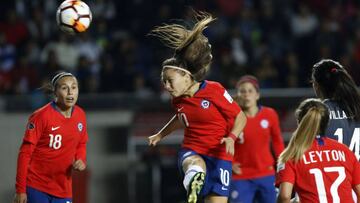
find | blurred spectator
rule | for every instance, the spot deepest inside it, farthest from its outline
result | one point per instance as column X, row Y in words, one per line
column 39, row 26
column 265, row 38
column 86, row 78
column 7, row 54
column 66, row 51
column 24, row 77
column 88, row 48
column 14, row 28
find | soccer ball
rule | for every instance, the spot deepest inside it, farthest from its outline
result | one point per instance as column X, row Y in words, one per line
column 73, row 16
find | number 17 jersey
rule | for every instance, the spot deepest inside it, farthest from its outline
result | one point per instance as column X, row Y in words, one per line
column 327, row 172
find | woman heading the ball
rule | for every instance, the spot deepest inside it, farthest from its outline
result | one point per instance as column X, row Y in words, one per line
column 54, row 144
column 208, row 114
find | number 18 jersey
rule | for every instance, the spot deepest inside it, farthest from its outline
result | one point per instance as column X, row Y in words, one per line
column 57, row 141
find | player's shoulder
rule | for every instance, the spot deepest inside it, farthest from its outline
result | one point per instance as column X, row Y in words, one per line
column 40, row 112
column 79, row 109
column 268, row 111
column 213, row 84
column 334, row 143
column 331, row 104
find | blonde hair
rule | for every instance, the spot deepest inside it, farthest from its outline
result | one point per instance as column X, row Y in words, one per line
column 313, row 117
column 192, row 48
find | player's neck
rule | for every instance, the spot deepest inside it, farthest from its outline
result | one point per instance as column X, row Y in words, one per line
column 66, row 112
column 193, row 89
column 252, row 111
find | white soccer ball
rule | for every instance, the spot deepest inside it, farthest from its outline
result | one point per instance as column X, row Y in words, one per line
column 73, row 16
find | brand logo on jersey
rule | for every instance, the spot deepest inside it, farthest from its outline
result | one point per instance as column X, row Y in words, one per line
column 80, row 126
column 55, row 128
column 234, row 194
column 30, row 126
column 179, row 109
column 264, row 123
column 223, row 188
column 205, row 104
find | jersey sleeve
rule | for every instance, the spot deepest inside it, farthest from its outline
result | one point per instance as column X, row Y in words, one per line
column 225, row 103
column 23, row 161
column 81, row 148
column 276, row 137
column 33, row 133
column 286, row 173
column 34, row 129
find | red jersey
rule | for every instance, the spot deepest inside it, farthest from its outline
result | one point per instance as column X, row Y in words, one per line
column 56, row 142
column 253, row 149
column 327, row 173
column 208, row 116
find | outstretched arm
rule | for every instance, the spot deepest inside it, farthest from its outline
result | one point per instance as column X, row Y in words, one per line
column 171, row 126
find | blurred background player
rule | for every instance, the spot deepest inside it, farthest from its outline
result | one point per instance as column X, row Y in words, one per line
column 318, row 168
column 204, row 108
column 253, row 165
column 333, row 84
column 54, row 144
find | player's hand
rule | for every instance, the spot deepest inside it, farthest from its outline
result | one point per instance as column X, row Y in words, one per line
column 79, row 165
column 154, row 139
column 229, row 144
column 236, row 168
column 20, row 198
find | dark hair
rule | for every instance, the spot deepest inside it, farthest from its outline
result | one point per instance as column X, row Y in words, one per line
column 249, row 78
column 50, row 87
column 336, row 84
column 192, row 48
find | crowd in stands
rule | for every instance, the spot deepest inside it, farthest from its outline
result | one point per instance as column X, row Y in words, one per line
column 275, row 40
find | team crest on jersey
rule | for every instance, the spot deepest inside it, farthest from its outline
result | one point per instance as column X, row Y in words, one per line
column 80, row 126
column 30, row 126
column 264, row 123
column 205, row 104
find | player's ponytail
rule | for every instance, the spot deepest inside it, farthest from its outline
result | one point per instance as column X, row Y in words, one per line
column 313, row 117
column 192, row 48
column 335, row 83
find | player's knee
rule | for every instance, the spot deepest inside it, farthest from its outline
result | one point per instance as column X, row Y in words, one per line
column 194, row 160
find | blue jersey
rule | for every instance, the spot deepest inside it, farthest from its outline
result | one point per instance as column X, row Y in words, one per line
column 343, row 128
